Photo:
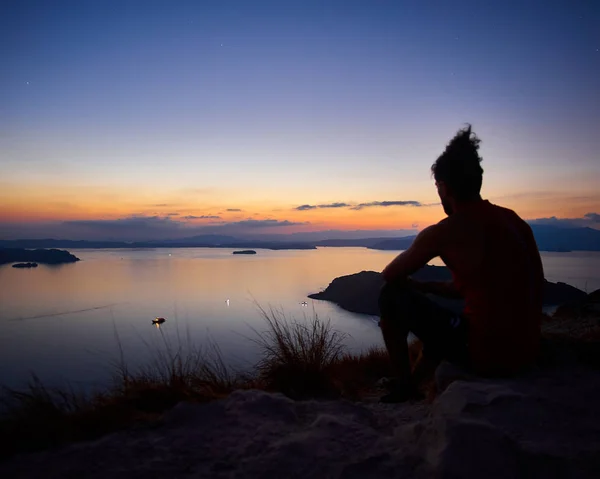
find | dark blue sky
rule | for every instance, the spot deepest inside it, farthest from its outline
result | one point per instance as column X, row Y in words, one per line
column 355, row 98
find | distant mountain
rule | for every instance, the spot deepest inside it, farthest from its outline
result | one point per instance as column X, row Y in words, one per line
column 365, row 242
column 200, row 239
column 548, row 238
column 318, row 236
column 555, row 238
column 61, row 243
column 208, row 241
column 394, row 244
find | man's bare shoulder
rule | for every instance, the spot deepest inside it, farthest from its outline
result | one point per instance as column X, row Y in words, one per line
column 514, row 216
column 507, row 211
column 434, row 234
column 443, row 226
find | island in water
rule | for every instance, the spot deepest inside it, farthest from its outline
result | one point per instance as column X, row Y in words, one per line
column 245, row 251
column 25, row 265
column 33, row 256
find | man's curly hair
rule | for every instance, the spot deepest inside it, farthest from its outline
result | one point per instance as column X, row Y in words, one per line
column 459, row 166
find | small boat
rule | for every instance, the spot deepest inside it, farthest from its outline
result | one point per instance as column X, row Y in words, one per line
column 158, row 320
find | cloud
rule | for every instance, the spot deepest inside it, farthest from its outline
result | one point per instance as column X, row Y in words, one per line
column 172, row 214
column 386, row 204
column 326, row 205
column 591, row 220
column 203, row 217
column 334, row 205
column 233, row 209
column 360, row 206
column 268, row 223
column 160, row 205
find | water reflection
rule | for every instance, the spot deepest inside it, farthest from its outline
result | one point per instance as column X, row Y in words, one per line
column 77, row 311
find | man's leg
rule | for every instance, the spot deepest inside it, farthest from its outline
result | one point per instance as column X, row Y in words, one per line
column 442, row 332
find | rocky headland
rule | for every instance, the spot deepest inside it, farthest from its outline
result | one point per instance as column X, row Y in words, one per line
column 359, row 292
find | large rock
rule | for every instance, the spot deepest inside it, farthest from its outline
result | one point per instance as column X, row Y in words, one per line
column 547, row 237
column 586, row 306
column 561, row 293
column 359, row 292
column 577, row 325
column 542, row 425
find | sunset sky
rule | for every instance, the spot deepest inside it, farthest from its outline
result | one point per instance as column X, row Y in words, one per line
column 143, row 120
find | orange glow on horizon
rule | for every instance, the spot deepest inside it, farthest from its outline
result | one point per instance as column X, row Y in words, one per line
column 36, row 203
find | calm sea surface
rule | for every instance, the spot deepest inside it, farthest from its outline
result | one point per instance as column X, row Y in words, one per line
column 64, row 323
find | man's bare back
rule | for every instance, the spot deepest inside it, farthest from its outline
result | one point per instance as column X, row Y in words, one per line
column 496, row 268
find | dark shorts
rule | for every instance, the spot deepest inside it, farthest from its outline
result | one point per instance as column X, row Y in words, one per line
column 443, row 332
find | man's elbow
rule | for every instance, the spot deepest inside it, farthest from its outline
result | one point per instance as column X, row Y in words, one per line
column 394, row 276
column 388, row 275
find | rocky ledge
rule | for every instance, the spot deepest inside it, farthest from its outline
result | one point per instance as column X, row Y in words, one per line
column 544, row 424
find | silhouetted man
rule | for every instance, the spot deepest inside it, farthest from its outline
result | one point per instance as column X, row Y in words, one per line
column 496, row 268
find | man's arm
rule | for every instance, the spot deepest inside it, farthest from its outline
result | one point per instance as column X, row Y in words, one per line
column 537, row 262
column 424, row 248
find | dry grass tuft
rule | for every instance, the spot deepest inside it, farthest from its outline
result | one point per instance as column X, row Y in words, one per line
column 298, row 358
column 39, row 417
